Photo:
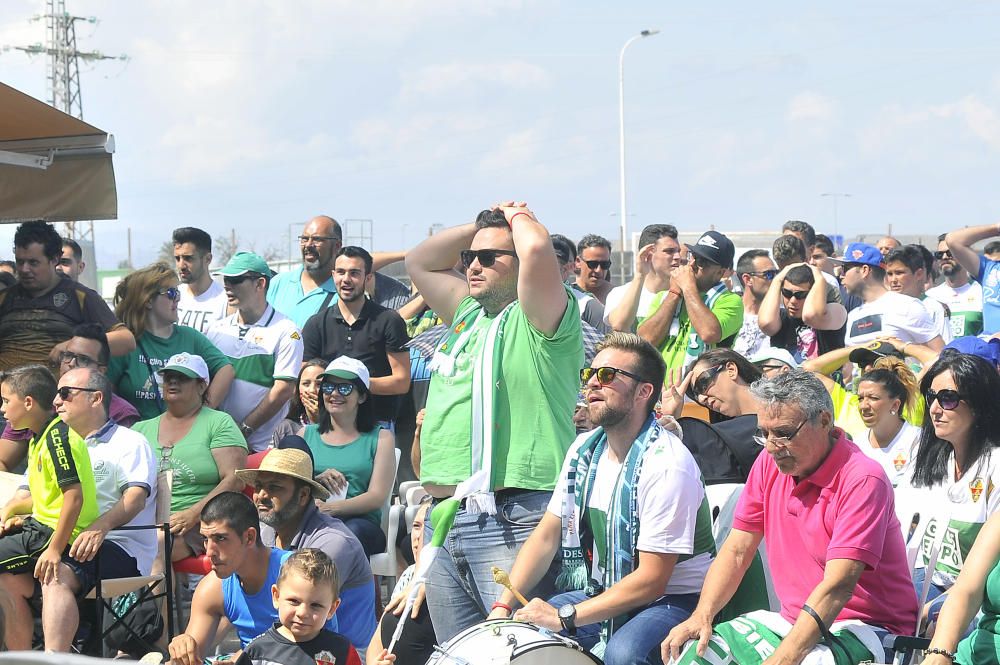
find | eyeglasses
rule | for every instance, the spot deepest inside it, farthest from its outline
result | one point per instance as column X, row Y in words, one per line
column 173, row 293
column 796, row 295
column 64, row 392
column 765, row 368
column 766, row 274
column 344, row 389
column 704, row 381
column 605, row 375
column 68, row 357
column 948, row 399
column 487, row 257
column 598, row 265
column 239, row 279
column 763, row 436
column 316, row 240
column 943, row 254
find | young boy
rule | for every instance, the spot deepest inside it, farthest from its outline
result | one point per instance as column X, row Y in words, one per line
column 59, row 499
column 306, row 597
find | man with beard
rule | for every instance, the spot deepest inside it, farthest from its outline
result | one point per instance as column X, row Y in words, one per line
column 362, row 329
column 285, row 497
column 834, row 545
column 624, row 587
column 958, row 293
column 300, row 293
column 500, row 404
column 202, row 299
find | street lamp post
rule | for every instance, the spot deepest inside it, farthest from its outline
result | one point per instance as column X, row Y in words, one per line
column 835, row 196
column 621, row 144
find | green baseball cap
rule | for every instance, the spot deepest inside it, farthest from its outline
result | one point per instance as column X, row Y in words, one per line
column 244, row 262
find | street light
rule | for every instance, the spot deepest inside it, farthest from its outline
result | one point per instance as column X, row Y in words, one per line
column 835, row 196
column 621, row 143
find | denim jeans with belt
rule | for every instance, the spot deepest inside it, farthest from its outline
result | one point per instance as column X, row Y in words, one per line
column 460, row 586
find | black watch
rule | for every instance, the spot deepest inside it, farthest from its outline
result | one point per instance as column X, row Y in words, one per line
column 567, row 617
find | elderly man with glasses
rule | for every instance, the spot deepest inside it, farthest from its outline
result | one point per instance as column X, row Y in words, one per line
column 623, row 587
column 835, row 547
column 300, row 293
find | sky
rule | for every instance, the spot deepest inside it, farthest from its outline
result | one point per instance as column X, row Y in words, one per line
column 251, row 117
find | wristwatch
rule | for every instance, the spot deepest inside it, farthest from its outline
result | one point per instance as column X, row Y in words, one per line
column 246, row 429
column 567, row 617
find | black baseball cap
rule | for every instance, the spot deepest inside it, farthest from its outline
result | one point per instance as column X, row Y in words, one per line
column 715, row 247
column 872, row 352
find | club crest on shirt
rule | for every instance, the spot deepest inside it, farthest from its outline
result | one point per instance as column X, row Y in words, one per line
column 59, row 299
column 325, row 658
column 899, row 462
column 976, row 489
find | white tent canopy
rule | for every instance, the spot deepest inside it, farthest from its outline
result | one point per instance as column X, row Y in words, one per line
column 53, row 166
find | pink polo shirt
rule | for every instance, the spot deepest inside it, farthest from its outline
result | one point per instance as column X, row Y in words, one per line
column 844, row 510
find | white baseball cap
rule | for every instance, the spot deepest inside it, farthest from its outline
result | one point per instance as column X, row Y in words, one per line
column 774, row 353
column 188, row 364
column 348, row 368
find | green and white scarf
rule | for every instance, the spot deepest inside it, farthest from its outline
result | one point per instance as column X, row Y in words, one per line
column 485, row 383
column 623, row 516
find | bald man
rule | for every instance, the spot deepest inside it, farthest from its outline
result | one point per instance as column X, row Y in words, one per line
column 300, row 293
column 886, row 244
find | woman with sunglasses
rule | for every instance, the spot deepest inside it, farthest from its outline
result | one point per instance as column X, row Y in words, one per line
column 351, row 452
column 720, row 381
column 953, row 482
column 146, row 302
column 798, row 315
column 303, row 408
column 884, row 393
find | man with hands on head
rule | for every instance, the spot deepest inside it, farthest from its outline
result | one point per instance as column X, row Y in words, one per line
column 628, row 520
column 986, row 270
column 797, row 315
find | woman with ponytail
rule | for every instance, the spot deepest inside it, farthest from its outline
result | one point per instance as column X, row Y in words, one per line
column 884, row 391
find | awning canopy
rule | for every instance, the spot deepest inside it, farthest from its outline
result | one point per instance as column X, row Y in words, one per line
column 53, row 166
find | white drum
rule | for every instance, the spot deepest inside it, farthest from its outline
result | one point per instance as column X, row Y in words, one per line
column 502, row 641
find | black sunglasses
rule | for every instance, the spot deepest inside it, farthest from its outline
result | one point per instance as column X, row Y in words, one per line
column 704, row 381
column 595, row 265
column 605, row 375
column 942, row 254
column 487, row 257
column 948, row 399
column 65, row 391
column 239, row 279
column 796, row 295
column 344, row 389
column 766, row 274
column 762, row 436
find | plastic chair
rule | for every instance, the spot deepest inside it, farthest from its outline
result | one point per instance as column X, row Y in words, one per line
column 385, row 564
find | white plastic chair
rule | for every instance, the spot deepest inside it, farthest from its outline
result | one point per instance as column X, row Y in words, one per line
column 386, row 563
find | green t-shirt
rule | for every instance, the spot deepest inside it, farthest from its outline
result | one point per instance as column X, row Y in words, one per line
column 356, row 460
column 536, row 396
column 982, row 646
column 58, row 458
column 194, row 469
column 682, row 342
column 133, row 377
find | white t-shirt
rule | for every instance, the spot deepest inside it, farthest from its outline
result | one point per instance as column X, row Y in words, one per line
column 122, row 458
column 966, row 305
column 891, row 315
column 896, row 455
column 942, row 322
column 670, row 494
column 966, row 504
column 267, row 350
column 199, row 312
column 750, row 340
column 616, row 295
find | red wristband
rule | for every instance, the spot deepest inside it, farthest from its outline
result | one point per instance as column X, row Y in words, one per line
column 503, row 605
column 512, row 217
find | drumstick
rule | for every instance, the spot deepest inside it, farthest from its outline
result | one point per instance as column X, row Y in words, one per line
column 503, row 579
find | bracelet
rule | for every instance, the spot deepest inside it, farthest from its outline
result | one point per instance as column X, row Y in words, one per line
column 941, row 652
column 510, row 610
column 514, row 216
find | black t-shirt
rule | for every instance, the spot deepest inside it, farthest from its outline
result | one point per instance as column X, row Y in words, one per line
column 795, row 336
column 377, row 332
column 325, row 649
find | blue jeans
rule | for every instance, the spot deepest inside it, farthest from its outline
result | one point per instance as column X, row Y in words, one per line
column 936, row 596
column 460, row 586
column 638, row 641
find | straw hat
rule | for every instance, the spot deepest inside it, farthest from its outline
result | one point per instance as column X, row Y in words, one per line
column 287, row 462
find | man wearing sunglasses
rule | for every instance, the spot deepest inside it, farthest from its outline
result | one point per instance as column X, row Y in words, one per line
column 264, row 347
column 501, row 398
column 300, row 293
column 962, row 296
column 835, row 547
column 883, row 313
column 797, row 315
column 591, row 309
column 38, row 313
column 623, row 585
column 697, row 312
column 593, row 265
column 756, row 271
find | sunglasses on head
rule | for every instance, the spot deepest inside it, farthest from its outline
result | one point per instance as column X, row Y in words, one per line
column 598, row 265
column 943, row 254
column 605, row 375
column 704, row 381
column 344, row 389
column 487, row 257
column 66, row 391
column 796, row 295
column 173, row 293
column 948, row 399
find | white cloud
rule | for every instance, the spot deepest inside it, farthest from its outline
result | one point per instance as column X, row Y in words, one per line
column 461, row 77
column 811, row 107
